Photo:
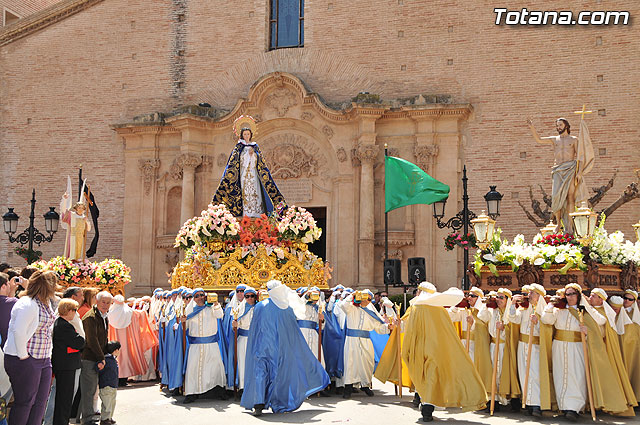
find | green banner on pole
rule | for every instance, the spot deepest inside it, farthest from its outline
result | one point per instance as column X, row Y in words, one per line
column 406, row 184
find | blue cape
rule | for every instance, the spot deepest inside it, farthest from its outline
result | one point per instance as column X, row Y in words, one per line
column 280, row 370
column 333, row 337
column 231, row 372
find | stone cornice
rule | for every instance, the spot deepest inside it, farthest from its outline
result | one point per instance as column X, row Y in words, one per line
column 43, row 19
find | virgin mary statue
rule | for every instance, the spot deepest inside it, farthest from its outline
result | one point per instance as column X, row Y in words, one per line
column 247, row 187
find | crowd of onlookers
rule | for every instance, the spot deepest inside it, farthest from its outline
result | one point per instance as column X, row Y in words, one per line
column 57, row 356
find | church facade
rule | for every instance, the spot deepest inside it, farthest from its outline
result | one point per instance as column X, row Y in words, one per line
column 143, row 95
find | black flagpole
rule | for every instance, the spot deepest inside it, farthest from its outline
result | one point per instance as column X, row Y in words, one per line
column 80, row 183
column 386, row 225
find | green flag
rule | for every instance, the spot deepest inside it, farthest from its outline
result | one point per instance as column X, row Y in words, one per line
column 406, row 184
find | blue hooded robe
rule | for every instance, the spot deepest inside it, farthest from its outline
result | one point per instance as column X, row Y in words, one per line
column 280, row 370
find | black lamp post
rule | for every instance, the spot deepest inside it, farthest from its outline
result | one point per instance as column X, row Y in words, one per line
column 464, row 217
column 31, row 235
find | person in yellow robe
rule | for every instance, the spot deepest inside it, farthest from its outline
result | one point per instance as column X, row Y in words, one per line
column 611, row 340
column 439, row 367
column 629, row 321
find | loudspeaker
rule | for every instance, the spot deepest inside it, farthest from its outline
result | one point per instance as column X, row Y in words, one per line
column 417, row 272
column 392, row 272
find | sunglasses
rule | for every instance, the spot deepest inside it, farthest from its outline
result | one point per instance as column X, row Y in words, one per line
column 240, row 290
column 199, row 296
column 570, row 294
column 250, row 296
column 501, row 298
column 473, row 296
column 629, row 298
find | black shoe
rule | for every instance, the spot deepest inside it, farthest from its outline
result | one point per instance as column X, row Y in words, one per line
column 571, row 416
column 355, row 390
column 516, row 404
column 527, row 411
column 427, row 412
column 325, row 393
column 348, row 389
column 175, row 392
column 257, row 409
column 367, row 391
column 535, row 411
column 496, row 408
column 190, row 398
column 122, row 382
column 416, row 400
column 339, row 390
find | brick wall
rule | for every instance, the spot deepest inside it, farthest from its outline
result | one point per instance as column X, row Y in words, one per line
column 62, row 87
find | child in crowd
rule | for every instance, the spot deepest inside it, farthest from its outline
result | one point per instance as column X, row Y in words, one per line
column 108, row 383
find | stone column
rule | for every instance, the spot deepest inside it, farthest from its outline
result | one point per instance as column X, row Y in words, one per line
column 367, row 153
column 425, row 239
column 188, row 163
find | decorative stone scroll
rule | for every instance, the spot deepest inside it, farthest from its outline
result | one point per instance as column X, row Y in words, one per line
column 148, row 168
column 424, row 156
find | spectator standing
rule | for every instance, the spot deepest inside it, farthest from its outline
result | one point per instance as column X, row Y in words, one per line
column 96, row 325
column 28, row 349
column 67, row 343
column 7, row 301
column 89, row 295
column 108, row 382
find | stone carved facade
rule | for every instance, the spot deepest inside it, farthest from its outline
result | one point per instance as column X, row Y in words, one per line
column 323, row 157
column 148, row 169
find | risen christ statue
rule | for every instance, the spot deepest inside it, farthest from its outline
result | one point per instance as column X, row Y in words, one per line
column 571, row 161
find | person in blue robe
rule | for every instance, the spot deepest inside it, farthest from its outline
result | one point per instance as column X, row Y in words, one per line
column 280, row 370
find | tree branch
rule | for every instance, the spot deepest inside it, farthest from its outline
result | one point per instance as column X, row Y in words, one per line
column 601, row 191
column 629, row 194
column 546, row 198
column 529, row 216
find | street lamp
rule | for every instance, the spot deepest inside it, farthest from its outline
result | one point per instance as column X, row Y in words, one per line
column 584, row 223
column 31, row 235
column 483, row 227
column 549, row 229
column 464, row 218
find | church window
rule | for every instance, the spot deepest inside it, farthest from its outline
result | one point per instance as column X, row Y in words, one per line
column 286, row 24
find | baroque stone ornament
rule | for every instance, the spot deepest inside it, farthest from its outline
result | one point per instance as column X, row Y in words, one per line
column 222, row 160
column 148, row 168
column 281, row 100
column 355, row 161
column 291, row 156
column 367, row 153
column 341, row 154
column 327, row 131
column 188, row 160
column 306, row 116
column 424, row 155
column 394, row 254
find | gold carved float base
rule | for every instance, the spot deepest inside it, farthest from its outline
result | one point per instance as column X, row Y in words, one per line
column 252, row 270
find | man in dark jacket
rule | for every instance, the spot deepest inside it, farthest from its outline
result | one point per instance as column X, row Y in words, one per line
column 65, row 359
column 96, row 326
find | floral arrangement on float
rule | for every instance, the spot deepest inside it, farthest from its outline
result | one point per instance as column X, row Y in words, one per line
column 110, row 274
column 216, row 239
column 561, row 251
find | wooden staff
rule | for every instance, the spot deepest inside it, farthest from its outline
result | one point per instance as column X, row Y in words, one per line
column 235, row 352
column 184, row 342
column 526, row 376
column 399, row 356
column 320, row 334
column 587, row 367
column 494, row 376
column 398, row 323
column 468, row 330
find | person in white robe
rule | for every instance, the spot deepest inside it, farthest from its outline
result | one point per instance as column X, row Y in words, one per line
column 529, row 317
column 309, row 323
column 359, row 356
column 204, row 365
column 243, row 324
column 568, row 361
column 465, row 316
column 497, row 321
